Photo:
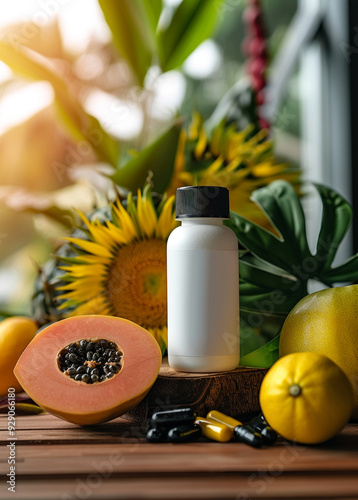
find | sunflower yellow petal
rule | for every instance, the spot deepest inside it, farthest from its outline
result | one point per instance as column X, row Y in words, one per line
column 83, row 270
column 201, row 144
column 90, row 247
column 90, row 259
column 118, row 235
column 96, row 305
column 215, row 166
column 80, row 294
column 125, row 222
column 90, row 283
column 97, row 231
column 147, row 216
column 166, row 221
column 195, row 126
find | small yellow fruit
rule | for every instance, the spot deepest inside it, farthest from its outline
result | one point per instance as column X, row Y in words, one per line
column 326, row 322
column 15, row 335
column 306, row 398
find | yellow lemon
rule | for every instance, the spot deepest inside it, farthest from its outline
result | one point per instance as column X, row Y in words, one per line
column 306, row 397
column 15, row 335
column 326, row 322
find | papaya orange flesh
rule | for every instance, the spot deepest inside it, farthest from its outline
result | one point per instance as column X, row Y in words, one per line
column 39, row 374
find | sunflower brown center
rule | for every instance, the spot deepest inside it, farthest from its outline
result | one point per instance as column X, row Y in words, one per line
column 90, row 360
column 137, row 283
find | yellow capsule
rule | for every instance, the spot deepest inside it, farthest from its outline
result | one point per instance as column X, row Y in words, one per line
column 221, row 418
column 214, row 430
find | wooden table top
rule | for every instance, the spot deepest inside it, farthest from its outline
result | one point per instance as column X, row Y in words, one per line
column 59, row 460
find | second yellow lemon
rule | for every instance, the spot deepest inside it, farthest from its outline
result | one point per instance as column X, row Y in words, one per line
column 306, row 397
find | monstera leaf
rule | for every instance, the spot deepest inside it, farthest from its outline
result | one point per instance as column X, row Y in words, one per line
column 275, row 270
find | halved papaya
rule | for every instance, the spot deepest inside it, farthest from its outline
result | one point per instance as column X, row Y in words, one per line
column 89, row 369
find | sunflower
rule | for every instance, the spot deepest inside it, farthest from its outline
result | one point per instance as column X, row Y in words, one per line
column 242, row 161
column 120, row 265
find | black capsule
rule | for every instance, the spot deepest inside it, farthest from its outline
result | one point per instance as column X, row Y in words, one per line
column 94, row 371
column 113, row 368
column 95, row 356
column 71, row 371
column 90, row 346
column 156, row 435
column 85, row 377
column 94, row 378
column 78, row 376
column 245, row 434
column 268, row 434
column 184, row 433
column 72, row 357
column 81, row 369
column 261, row 415
column 170, row 418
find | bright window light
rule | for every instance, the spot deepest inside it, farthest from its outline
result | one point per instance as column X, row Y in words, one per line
column 204, row 61
column 81, row 22
column 5, row 72
column 120, row 118
column 22, row 104
column 169, row 93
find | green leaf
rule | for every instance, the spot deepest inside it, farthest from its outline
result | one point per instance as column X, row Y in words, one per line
column 257, row 274
column 191, row 24
column 133, row 24
column 282, row 206
column 80, row 124
column 153, row 9
column 263, row 357
column 250, row 338
column 336, row 219
column 5, row 314
column 260, row 241
column 158, row 157
column 346, row 272
column 272, row 303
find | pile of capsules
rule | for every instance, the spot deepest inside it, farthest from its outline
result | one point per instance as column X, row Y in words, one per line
column 183, row 425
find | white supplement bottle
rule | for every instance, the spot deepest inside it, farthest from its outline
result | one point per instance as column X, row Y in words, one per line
column 203, row 283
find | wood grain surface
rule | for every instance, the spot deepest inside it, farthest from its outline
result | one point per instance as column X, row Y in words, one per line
column 61, row 461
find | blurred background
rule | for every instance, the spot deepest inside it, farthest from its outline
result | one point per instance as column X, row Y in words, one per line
column 48, row 165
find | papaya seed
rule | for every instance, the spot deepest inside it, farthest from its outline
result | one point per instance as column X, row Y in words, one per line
column 90, row 361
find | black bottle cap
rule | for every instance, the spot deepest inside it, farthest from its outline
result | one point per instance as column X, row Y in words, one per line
column 202, row 201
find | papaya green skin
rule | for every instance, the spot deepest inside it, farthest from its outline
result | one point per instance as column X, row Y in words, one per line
column 89, row 404
column 326, row 322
